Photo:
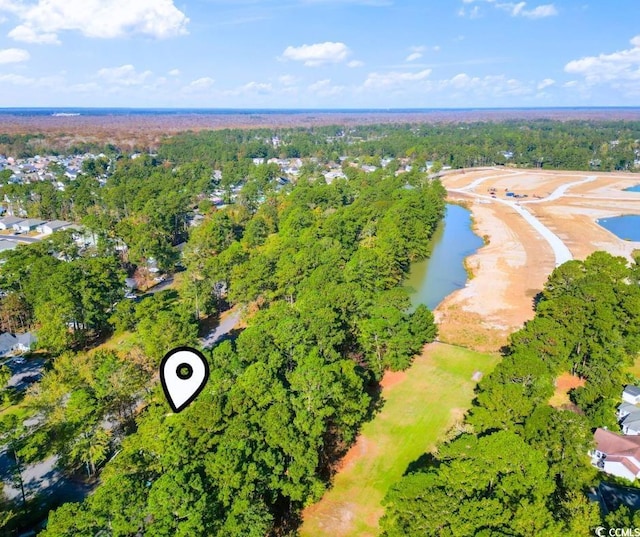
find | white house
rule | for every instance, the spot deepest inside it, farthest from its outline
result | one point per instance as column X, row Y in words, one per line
column 631, row 394
column 8, row 222
column 30, row 224
column 18, row 344
column 616, row 454
column 49, row 227
column 631, row 424
column 25, row 342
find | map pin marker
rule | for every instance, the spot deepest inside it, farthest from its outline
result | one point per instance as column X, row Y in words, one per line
column 183, row 373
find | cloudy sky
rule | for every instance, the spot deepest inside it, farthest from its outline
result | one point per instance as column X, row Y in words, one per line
column 319, row 53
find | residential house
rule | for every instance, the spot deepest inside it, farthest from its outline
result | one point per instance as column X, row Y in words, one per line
column 630, row 423
column 616, row 454
column 25, row 342
column 631, row 394
column 8, row 222
column 24, row 226
column 334, row 174
column 16, row 344
column 7, row 343
column 55, row 225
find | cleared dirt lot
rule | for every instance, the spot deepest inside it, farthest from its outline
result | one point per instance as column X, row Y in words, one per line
column 511, row 269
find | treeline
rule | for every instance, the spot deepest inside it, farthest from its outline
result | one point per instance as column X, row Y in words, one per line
column 520, row 466
column 286, row 398
column 543, row 143
column 32, row 144
column 573, row 145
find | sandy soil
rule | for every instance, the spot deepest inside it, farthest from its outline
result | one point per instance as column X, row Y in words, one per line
column 511, row 269
column 564, row 384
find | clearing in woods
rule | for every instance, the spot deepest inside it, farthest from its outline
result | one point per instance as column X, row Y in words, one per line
column 420, row 405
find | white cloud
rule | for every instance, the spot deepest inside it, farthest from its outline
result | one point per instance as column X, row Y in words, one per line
column 472, row 13
column 370, row 3
column 42, row 20
column 124, row 75
column 13, row 55
column 394, row 78
column 355, row 63
column 287, row 80
column 18, row 80
column 546, row 83
column 519, row 10
column 546, row 10
column 487, row 86
column 89, row 87
column 202, row 83
column 174, row 72
column 324, row 88
column 251, row 88
column 256, row 87
column 416, row 53
column 619, row 69
column 55, row 82
column 318, row 53
column 27, row 34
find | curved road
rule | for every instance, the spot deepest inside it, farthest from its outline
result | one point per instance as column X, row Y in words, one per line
column 561, row 253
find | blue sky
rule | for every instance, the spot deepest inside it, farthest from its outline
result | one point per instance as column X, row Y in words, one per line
column 319, row 53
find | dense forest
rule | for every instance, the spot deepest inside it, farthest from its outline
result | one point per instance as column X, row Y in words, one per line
column 519, row 466
column 320, row 266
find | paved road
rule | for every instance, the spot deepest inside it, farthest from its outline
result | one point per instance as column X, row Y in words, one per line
column 561, row 253
column 219, row 332
column 161, row 286
column 25, row 374
column 19, row 238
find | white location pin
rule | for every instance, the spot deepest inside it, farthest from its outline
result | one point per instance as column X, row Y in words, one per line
column 183, row 373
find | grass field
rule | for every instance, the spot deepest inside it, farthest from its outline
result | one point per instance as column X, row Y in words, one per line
column 420, row 406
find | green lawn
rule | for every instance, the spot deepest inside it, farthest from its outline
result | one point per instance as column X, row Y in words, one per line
column 419, row 409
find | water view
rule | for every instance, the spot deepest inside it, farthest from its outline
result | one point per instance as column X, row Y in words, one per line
column 635, row 188
column 625, row 227
column 431, row 280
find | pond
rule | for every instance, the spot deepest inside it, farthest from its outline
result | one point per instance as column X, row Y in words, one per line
column 635, row 188
column 432, row 279
column 625, row 227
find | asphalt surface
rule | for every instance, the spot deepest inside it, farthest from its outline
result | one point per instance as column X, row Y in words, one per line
column 19, row 238
column 222, row 330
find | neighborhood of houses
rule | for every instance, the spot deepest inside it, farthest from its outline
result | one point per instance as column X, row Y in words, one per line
column 14, row 229
column 45, row 168
column 12, row 345
column 619, row 454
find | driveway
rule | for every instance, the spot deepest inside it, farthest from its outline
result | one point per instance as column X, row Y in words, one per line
column 226, row 325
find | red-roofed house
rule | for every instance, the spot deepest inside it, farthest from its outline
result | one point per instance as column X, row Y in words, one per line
column 616, row 454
